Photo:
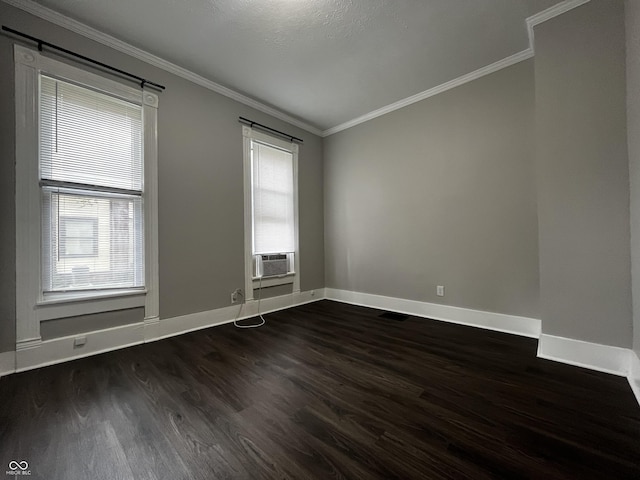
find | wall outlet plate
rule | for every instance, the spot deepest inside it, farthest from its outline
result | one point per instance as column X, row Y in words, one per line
column 440, row 290
column 234, row 295
column 79, row 341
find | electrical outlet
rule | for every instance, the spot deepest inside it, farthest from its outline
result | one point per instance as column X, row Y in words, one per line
column 234, row 295
column 79, row 341
column 440, row 290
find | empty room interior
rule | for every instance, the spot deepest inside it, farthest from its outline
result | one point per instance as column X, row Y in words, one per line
column 312, row 239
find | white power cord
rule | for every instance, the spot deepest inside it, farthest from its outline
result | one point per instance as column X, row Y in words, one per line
column 263, row 321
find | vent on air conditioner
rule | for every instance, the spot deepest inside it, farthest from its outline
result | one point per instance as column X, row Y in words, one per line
column 272, row 265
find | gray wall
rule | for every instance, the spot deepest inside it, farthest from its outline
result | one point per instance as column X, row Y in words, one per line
column 439, row 193
column 63, row 327
column 632, row 14
column 442, row 192
column 7, row 198
column 583, row 175
column 200, row 189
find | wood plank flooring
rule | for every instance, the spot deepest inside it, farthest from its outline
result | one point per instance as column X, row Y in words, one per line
column 324, row 390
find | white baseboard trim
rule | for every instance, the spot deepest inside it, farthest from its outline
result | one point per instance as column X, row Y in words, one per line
column 58, row 350
column 523, row 326
column 634, row 374
column 195, row 321
column 7, row 363
column 602, row 358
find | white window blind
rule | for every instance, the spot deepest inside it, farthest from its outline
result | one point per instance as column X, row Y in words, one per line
column 91, row 181
column 272, row 199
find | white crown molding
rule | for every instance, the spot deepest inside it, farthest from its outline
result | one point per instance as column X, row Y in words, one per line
column 90, row 32
column 594, row 356
column 56, row 18
column 523, row 326
column 548, row 14
column 456, row 82
column 531, row 22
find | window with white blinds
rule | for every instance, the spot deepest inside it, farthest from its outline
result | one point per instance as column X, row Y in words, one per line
column 272, row 185
column 270, row 211
column 91, row 183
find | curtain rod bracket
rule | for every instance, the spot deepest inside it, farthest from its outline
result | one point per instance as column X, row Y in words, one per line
column 252, row 123
column 41, row 43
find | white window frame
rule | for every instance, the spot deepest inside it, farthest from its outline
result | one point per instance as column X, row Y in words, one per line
column 250, row 134
column 31, row 305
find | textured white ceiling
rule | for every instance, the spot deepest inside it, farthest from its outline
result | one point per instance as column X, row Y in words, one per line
column 323, row 61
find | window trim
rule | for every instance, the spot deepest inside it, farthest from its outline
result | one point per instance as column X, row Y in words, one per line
column 31, row 305
column 249, row 134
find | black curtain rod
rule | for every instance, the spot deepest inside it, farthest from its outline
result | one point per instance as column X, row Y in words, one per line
column 41, row 43
column 252, row 124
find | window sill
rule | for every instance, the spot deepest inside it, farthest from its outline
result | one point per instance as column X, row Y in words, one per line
column 273, row 281
column 74, row 304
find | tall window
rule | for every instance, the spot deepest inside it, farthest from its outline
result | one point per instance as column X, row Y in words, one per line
column 91, row 171
column 86, row 194
column 271, row 213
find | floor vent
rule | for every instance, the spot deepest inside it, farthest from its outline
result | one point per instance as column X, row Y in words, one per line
column 399, row 317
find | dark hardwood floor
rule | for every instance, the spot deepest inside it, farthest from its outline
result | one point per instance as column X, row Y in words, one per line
column 324, row 390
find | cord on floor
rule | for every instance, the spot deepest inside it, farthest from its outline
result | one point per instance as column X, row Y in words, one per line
column 263, row 321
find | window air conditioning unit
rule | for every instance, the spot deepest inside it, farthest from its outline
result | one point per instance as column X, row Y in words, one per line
column 273, row 265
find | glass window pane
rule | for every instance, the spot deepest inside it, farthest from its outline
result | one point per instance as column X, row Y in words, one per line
column 92, row 241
